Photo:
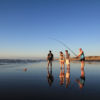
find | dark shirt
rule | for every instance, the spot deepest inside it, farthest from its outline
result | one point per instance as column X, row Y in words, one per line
column 50, row 56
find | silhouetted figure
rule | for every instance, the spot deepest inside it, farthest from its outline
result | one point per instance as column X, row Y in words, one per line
column 81, row 81
column 50, row 76
column 62, row 60
column 50, row 58
column 62, row 76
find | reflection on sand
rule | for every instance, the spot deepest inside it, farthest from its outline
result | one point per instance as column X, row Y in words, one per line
column 68, row 77
column 50, row 77
column 62, row 76
column 81, row 80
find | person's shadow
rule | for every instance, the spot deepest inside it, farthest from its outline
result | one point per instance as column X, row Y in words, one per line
column 50, row 77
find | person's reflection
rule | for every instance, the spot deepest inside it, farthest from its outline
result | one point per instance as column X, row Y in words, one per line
column 68, row 77
column 50, row 77
column 81, row 81
column 62, row 76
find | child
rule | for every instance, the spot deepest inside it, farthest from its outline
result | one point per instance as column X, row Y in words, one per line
column 62, row 60
column 67, row 59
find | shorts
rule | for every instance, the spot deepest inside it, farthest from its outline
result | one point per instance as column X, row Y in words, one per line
column 50, row 61
column 67, row 61
column 62, row 61
column 82, row 59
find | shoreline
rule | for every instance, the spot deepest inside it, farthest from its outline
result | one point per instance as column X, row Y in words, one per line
column 87, row 59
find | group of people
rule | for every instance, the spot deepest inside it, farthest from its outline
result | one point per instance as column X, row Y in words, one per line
column 66, row 59
column 63, row 59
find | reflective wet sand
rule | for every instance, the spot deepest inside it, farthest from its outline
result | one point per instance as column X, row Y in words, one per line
column 35, row 81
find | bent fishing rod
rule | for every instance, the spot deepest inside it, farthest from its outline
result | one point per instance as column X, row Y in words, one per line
column 64, row 45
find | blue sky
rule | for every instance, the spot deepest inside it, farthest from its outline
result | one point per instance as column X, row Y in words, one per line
column 26, row 25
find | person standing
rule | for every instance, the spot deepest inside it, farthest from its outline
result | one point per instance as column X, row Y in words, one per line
column 82, row 57
column 67, row 59
column 62, row 60
column 50, row 58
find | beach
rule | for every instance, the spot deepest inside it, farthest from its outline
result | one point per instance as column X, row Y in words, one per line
column 49, row 49
column 30, row 81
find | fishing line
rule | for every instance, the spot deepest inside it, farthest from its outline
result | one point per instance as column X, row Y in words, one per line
column 64, row 45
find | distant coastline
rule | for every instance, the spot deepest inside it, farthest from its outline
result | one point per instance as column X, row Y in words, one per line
column 87, row 58
column 6, row 61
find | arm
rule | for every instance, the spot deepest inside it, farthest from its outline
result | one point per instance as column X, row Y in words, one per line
column 80, row 54
column 59, row 59
column 53, row 57
column 64, row 58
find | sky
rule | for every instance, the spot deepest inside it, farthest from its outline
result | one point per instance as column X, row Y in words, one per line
column 27, row 26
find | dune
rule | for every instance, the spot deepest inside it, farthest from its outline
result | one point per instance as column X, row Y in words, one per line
column 87, row 58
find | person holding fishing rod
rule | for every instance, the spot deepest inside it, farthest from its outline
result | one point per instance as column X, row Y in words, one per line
column 82, row 58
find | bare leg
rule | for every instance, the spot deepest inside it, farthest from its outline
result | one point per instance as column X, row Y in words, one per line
column 63, row 65
column 82, row 64
column 51, row 70
column 48, row 63
column 51, row 63
column 60, row 65
column 68, row 66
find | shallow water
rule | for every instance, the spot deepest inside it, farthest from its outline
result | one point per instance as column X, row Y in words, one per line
column 34, row 81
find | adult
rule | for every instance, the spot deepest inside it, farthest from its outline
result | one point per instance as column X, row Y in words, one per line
column 50, row 58
column 82, row 57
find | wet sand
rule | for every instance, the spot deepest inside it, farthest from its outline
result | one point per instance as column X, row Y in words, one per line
column 34, row 81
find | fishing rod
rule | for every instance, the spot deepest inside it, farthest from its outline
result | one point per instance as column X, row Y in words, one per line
column 64, row 45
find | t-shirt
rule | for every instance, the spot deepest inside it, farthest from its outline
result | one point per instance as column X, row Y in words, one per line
column 50, row 56
column 82, row 56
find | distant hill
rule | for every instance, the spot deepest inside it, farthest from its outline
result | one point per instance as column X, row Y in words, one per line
column 3, row 61
column 88, row 58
